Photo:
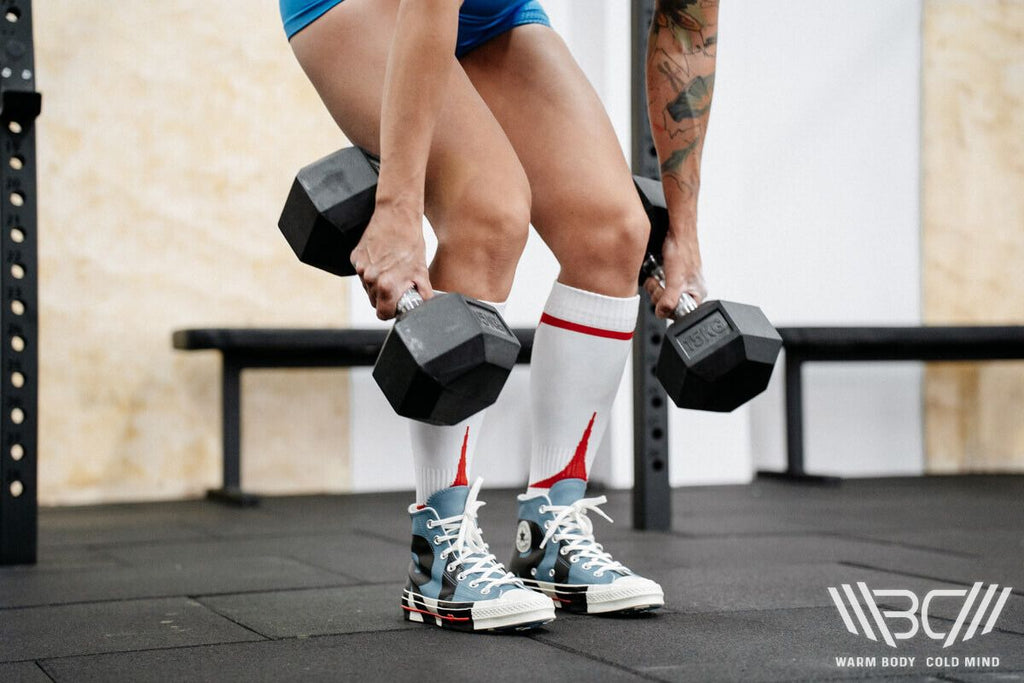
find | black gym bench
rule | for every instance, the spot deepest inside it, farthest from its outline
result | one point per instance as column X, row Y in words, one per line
column 292, row 348
column 929, row 343
column 282, row 348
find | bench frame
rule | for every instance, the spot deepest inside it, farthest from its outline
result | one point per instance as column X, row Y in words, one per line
column 276, row 348
column 865, row 344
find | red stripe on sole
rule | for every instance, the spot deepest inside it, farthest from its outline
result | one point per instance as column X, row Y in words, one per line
column 439, row 616
column 546, row 319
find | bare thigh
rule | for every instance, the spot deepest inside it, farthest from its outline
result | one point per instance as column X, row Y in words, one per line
column 477, row 194
column 584, row 203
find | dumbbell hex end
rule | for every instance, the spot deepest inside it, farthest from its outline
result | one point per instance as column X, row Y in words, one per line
column 446, row 360
column 718, row 357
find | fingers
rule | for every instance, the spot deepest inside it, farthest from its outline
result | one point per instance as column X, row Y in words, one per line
column 384, row 288
column 665, row 306
column 666, row 300
column 652, row 288
column 388, row 289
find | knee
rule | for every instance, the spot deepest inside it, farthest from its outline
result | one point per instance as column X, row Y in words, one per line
column 493, row 232
column 614, row 242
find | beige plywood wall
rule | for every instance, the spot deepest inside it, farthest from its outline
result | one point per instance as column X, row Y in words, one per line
column 169, row 135
column 973, row 232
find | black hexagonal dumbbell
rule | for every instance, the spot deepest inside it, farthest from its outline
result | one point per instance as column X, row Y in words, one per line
column 715, row 356
column 444, row 359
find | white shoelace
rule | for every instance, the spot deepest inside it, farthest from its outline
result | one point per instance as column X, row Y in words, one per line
column 468, row 549
column 572, row 524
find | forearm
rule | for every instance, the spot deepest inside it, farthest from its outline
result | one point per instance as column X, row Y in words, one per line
column 680, row 81
column 419, row 65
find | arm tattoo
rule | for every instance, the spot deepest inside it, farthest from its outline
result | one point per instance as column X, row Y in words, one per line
column 681, row 60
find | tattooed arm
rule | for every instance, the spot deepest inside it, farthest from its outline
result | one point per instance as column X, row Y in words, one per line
column 680, row 80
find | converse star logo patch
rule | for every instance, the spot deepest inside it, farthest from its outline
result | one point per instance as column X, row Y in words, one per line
column 523, row 537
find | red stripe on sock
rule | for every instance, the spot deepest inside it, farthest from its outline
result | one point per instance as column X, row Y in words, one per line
column 460, row 476
column 577, row 467
column 584, row 329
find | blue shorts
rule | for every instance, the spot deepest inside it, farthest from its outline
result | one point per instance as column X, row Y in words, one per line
column 479, row 20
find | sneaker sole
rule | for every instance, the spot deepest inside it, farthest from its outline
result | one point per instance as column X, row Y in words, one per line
column 468, row 616
column 598, row 598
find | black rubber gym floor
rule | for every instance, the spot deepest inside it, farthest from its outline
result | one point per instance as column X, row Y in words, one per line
column 307, row 588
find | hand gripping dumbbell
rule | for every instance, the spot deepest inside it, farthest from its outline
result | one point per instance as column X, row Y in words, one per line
column 715, row 356
column 445, row 359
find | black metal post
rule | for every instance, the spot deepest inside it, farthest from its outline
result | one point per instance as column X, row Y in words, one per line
column 652, row 501
column 231, row 433
column 794, row 415
column 19, row 320
column 794, row 401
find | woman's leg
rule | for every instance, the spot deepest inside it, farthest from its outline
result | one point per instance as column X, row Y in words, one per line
column 587, row 210
column 477, row 195
column 477, row 201
column 584, row 203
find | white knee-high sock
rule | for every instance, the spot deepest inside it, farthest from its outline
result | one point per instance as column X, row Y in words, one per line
column 579, row 353
column 441, row 455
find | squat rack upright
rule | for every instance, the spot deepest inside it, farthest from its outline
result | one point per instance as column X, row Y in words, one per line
column 19, row 320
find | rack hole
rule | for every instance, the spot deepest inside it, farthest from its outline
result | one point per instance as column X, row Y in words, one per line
column 13, row 15
column 17, row 488
column 17, row 199
column 17, row 416
column 16, row 162
column 656, row 433
column 18, row 343
column 656, row 402
column 657, row 465
column 17, row 452
column 14, row 127
column 655, row 339
column 17, row 307
column 17, row 271
column 17, row 235
column 17, row 380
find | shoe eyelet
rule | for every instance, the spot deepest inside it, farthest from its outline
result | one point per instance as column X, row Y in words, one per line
column 485, row 591
column 599, row 573
column 533, row 571
column 542, row 509
column 437, row 540
column 450, row 567
column 474, row 583
column 547, row 525
column 574, row 559
column 430, row 524
column 587, row 565
column 460, row 577
column 562, row 551
column 551, row 572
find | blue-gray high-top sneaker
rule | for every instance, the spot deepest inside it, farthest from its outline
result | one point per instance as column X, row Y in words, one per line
column 454, row 580
column 556, row 554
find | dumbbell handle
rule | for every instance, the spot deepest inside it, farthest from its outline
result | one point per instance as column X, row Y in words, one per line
column 408, row 301
column 652, row 269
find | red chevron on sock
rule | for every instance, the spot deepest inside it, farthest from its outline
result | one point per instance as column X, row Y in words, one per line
column 577, row 467
column 460, row 476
